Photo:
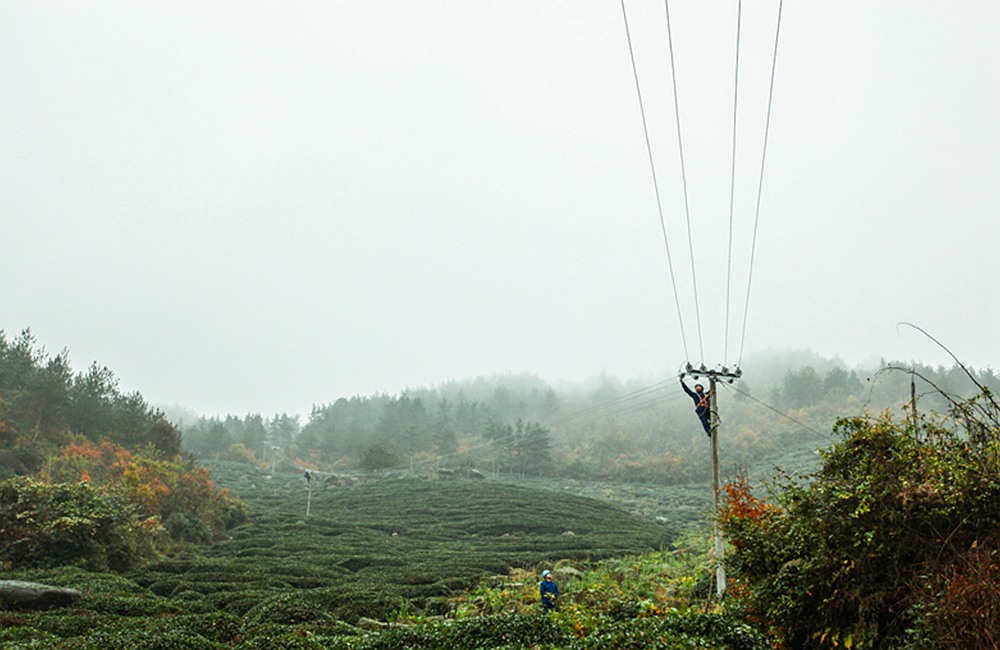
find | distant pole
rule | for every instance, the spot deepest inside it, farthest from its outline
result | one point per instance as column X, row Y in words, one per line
column 309, row 499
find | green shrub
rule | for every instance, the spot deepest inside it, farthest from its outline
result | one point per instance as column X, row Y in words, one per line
column 875, row 549
column 280, row 637
column 132, row 605
column 215, row 626
column 69, row 625
column 687, row 629
column 286, row 609
column 48, row 525
column 237, row 603
column 14, row 637
column 488, row 632
column 168, row 587
column 187, row 528
column 132, row 639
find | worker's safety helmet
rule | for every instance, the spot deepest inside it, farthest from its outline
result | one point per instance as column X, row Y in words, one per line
column 546, row 574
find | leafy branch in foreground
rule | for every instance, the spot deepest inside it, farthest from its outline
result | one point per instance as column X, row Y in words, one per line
column 892, row 543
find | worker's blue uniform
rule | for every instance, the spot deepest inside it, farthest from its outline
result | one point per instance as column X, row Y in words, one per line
column 700, row 407
column 549, row 591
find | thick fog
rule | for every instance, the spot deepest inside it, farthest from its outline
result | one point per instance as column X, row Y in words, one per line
column 260, row 206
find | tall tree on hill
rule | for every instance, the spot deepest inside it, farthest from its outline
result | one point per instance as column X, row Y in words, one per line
column 501, row 438
column 165, row 437
column 406, row 423
column 533, row 447
column 91, row 394
column 33, row 390
column 254, row 434
column 445, row 437
column 282, row 430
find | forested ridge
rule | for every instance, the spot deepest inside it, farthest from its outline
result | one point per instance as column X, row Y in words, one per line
column 98, row 476
column 602, row 429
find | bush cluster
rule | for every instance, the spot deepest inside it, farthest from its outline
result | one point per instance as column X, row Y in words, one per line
column 892, row 543
column 44, row 525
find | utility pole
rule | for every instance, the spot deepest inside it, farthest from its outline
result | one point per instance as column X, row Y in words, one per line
column 713, row 406
column 274, row 458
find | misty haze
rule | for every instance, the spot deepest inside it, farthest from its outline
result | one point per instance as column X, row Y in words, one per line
column 526, row 325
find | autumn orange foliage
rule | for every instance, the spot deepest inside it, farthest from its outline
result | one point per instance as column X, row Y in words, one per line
column 741, row 505
column 157, row 487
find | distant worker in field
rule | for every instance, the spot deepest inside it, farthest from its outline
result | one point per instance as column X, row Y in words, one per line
column 309, row 476
column 549, row 592
column 701, row 406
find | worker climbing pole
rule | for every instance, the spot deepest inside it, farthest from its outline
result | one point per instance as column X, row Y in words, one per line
column 710, row 417
column 706, row 402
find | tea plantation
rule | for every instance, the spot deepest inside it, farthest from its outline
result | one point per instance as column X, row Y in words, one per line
column 395, row 549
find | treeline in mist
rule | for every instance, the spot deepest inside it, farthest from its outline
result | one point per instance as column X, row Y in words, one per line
column 491, row 424
column 605, row 428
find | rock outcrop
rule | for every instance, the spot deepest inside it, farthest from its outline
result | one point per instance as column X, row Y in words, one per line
column 17, row 594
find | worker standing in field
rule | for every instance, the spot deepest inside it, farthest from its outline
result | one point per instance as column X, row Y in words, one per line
column 549, row 592
column 701, row 408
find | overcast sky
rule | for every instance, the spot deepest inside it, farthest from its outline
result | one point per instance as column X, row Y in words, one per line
column 256, row 207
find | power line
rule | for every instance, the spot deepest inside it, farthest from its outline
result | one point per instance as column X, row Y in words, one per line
column 624, row 409
column 760, row 182
column 782, row 414
column 732, row 176
column 656, row 185
column 623, row 398
column 680, row 150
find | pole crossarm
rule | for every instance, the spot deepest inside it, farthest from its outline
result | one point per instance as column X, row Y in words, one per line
column 724, row 373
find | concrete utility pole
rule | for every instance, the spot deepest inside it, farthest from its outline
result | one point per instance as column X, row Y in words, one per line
column 713, row 407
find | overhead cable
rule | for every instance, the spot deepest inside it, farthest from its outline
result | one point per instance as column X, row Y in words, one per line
column 760, row 181
column 680, row 150
column 781, row 413
column 656, row 185
column 732, row 176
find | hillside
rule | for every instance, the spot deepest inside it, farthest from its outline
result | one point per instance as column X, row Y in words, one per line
column 366, row 550
column 412, row 539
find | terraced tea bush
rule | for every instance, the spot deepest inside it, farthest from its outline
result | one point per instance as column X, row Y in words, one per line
column 367, row 548
column 69, row 625
column 286, row 609
column 133, row 605
column 237, row 603
column 279, row 637
column 401, row 551
column 12, row 638
column 675, row 630
column 130, row 639
column 487, row 632
column 215, row 626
